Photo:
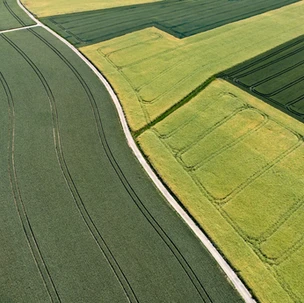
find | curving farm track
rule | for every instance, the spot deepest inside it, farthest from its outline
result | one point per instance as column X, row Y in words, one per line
column 80, row 219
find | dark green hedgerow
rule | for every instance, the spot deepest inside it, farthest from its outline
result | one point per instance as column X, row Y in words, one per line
column 176, row 106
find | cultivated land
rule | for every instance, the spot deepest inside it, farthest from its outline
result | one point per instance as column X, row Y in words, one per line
column 44, row 8
column 80, row 220
column 275, row 76
column 237, row 165
column 12, row 16
column 179, row 18
column 234, row 161
column 152, row 70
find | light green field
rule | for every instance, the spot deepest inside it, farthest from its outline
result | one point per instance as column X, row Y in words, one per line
column 43, row 8
column 151, row 70
column 237, row 165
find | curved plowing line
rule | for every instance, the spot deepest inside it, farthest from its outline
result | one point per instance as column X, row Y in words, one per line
column 249, row 180
column 270, row 63
column 180, row 60
column 286, row 286
column 280, row 73
column 155, row 55
column 108, row 55
column 212, row 16
column 279, row 90
column 169, row 134
column 272, row 54
column 227, row 146
column 20, row 206
column 157, row 37
column 129, row 189
column 20, row 21
column 285, row 255
column 262, row 171
column 212, row 128
column 289, row 251
column 72, row 187
column 276, row 226
column 182, row 125
column 294, row 101
column 172, row 88
column 108, row 36
column 133, row 89
column 235, row 18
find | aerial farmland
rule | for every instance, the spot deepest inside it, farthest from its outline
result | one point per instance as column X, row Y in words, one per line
column 151, row 151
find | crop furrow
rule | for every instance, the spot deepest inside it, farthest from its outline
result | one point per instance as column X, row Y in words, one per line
column 20, row 206
column 72, row 187
column 128, row 187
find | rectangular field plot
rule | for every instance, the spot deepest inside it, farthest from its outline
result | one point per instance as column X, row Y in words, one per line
column 276, row 76
column 12, row 16
column 178, row 18
column 236, row 163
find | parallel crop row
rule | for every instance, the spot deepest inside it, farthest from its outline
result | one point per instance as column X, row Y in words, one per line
column 275, row 76
column 179, row 18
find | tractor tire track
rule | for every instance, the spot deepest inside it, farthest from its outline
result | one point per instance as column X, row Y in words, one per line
column 71, row 185
column 126, row 184
column 20, row 206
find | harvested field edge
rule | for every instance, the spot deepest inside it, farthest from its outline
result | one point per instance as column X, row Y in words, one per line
column 235, row 280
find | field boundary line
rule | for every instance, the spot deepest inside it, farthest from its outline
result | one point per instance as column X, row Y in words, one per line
column 18, row 29
column 235, row 280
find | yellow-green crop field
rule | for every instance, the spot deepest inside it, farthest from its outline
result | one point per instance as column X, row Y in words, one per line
column 237, row 165
column 151, row 70
column 44, row 8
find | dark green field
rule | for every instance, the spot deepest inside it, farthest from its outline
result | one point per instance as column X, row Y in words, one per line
column 80, row 220
column 179, row 18
column 276, row 76
column 12, row 16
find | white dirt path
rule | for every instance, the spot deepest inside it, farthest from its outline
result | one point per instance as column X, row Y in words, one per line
column 18, row 29
column 238, row 284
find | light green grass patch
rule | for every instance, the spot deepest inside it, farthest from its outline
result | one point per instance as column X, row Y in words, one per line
column 239, row 174
column 152, row 75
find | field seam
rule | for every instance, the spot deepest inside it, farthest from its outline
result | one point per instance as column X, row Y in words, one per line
column 243, row 291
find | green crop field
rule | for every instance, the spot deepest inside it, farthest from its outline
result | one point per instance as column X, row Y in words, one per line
column 179, row 18
column 44, row 8
column 80, row 219
column 237, row 165
column 275, row 76
column 152, row 70
column 11, row 15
